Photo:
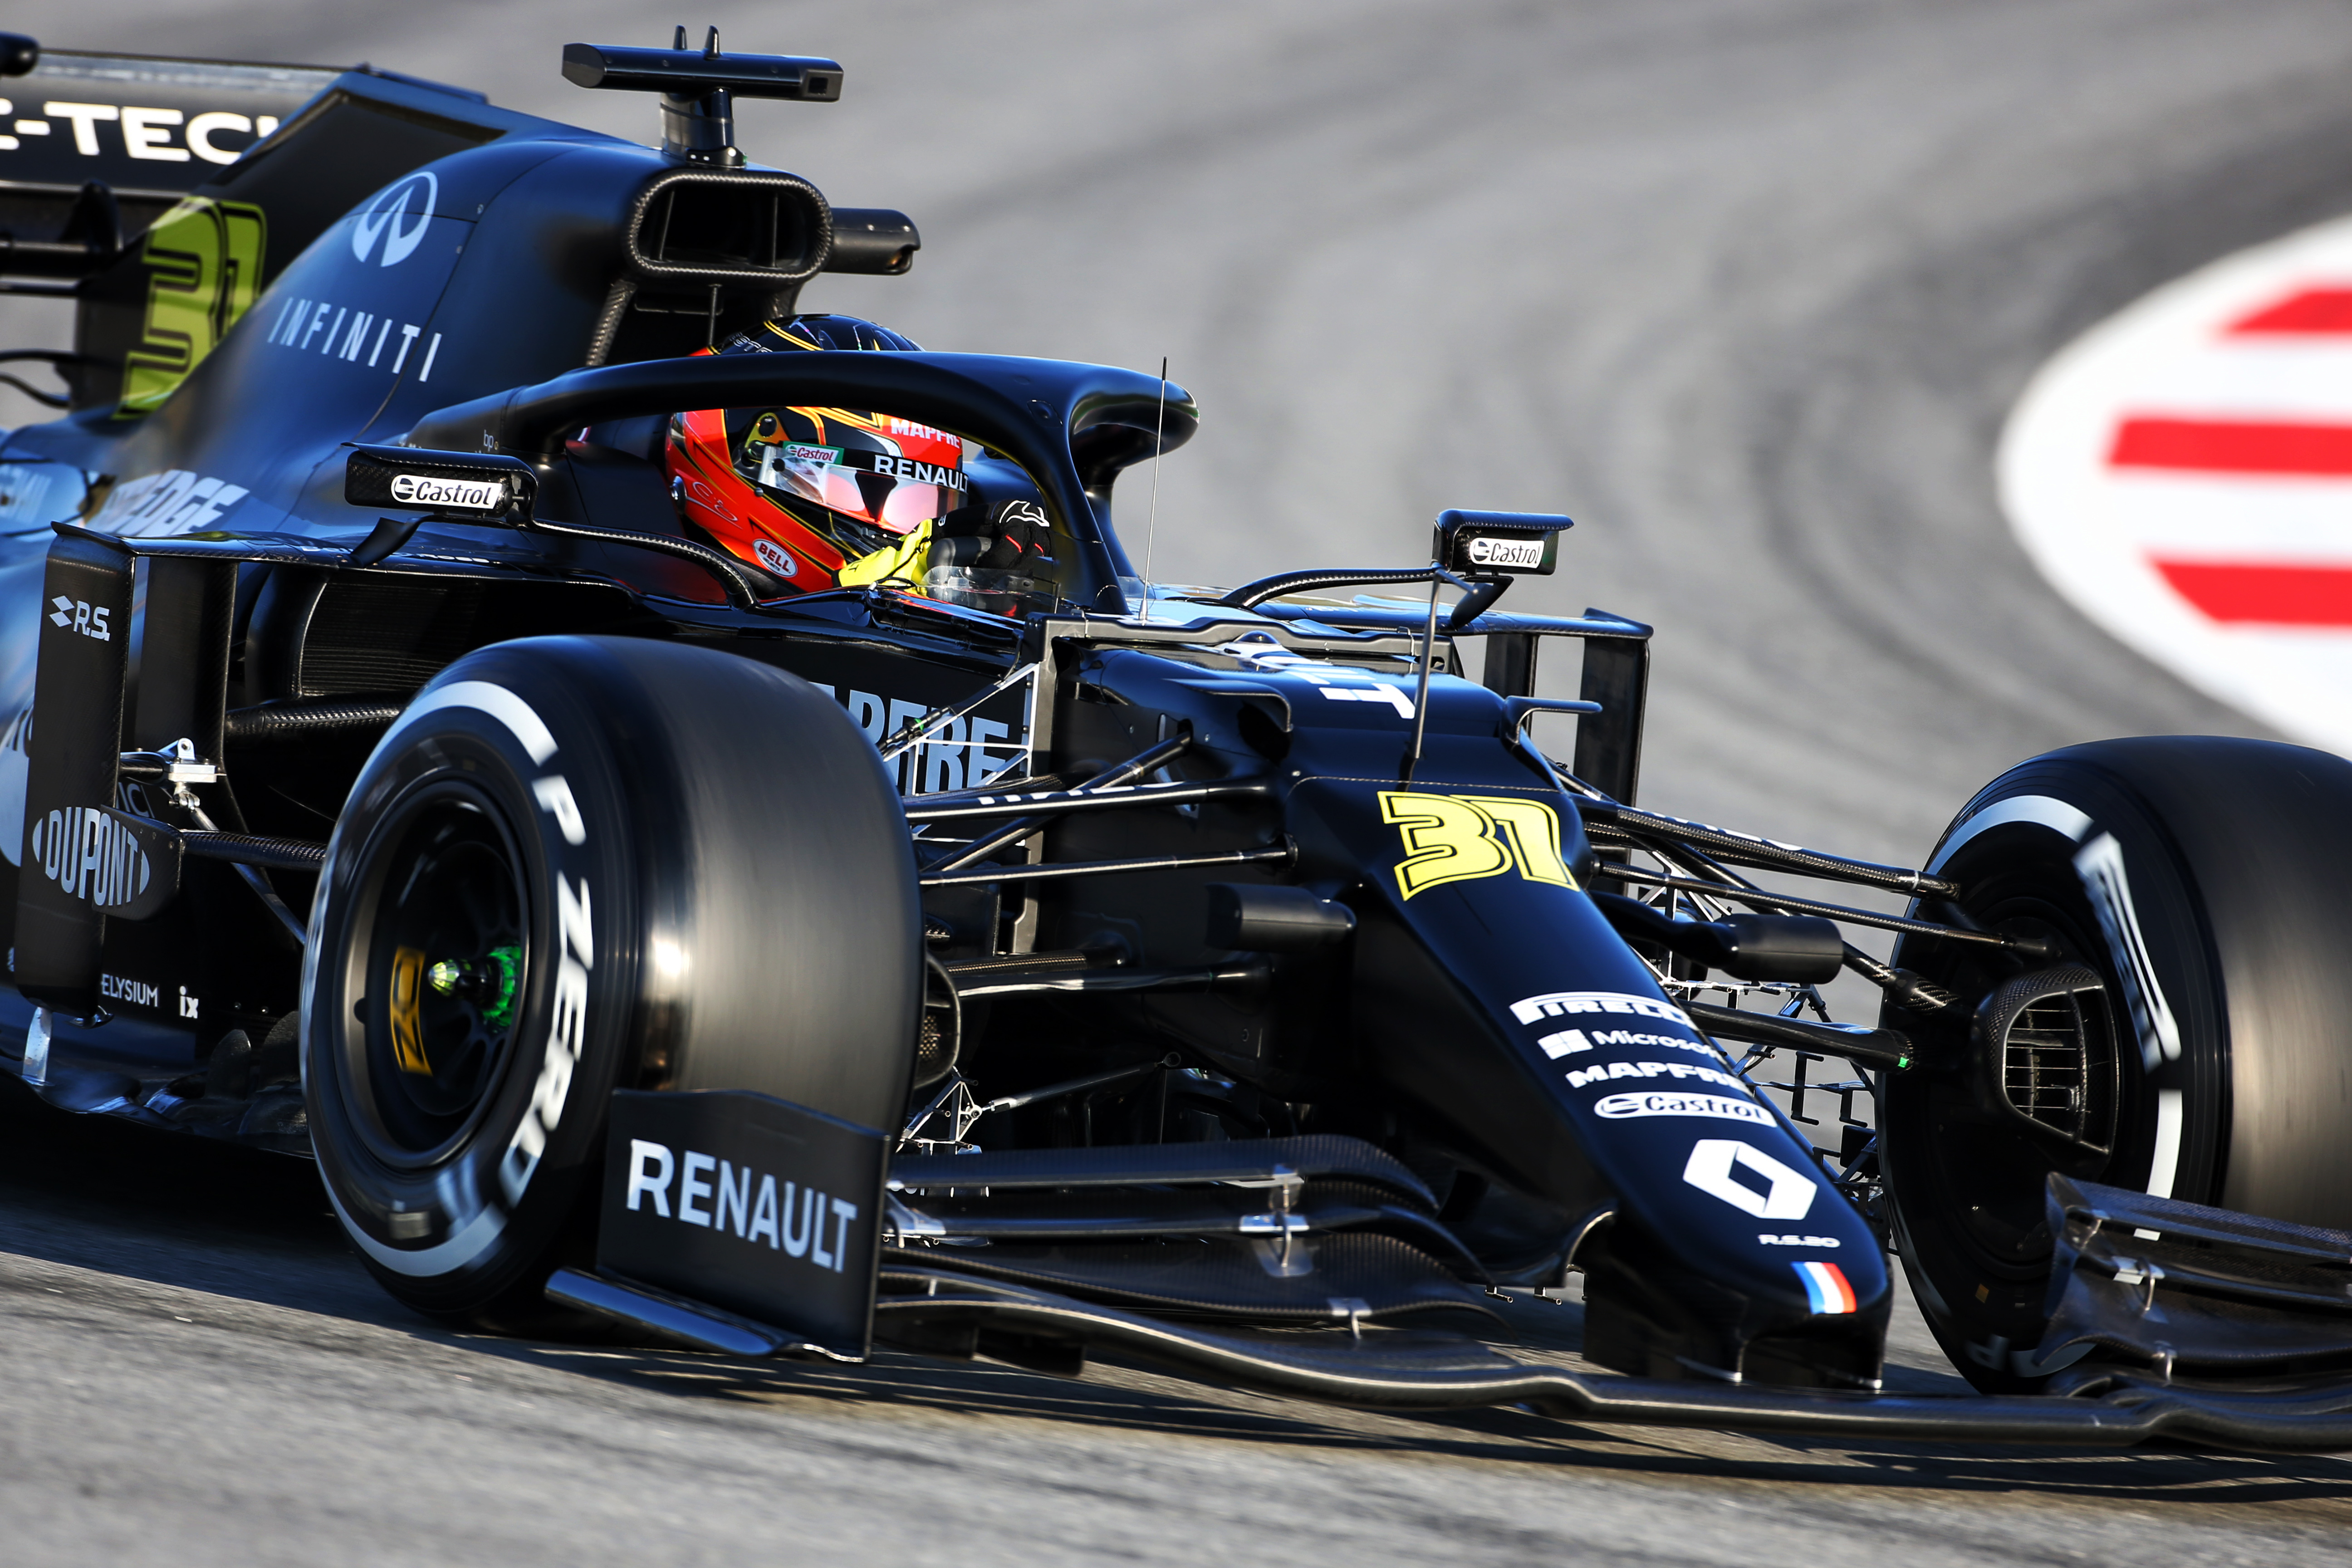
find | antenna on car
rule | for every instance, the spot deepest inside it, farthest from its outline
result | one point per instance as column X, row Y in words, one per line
column 1152, row 523
column 698, row 88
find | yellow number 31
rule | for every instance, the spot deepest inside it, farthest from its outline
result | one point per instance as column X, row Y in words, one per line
column 1458, row 837
column 204, row 260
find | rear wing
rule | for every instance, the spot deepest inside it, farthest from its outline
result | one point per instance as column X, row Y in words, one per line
column 161, row 196
column 95, row 148
column 149, row 130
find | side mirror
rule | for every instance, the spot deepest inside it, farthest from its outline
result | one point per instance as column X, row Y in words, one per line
column 1499, row 543
column 457, row 487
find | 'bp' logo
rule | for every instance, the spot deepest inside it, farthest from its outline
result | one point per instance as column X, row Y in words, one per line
column 1460, row 837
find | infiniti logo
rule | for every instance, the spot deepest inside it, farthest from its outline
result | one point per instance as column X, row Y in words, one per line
column 390, row 217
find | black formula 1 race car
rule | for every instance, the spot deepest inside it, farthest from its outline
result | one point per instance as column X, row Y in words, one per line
column 778, row 882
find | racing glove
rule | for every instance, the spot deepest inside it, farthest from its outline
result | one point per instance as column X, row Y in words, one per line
column 1005, row 537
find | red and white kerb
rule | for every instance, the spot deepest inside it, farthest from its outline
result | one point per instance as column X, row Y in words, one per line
column 2183, row 473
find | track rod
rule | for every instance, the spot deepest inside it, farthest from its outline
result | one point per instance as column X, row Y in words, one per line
column 1149, row 760
column 1745, row 849
column 1757, row 896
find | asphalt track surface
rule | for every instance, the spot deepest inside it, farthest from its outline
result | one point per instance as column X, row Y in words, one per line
column 1745, row 287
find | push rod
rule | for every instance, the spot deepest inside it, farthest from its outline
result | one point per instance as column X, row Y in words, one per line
column 1109, row 798
column 1016, row 983
column 1101, row 867
column 1079, row 1085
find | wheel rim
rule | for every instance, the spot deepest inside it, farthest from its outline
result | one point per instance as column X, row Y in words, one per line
column 1981, row 1168
column 444, row 950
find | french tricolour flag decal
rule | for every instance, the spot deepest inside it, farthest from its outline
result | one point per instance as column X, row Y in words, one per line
column 2183, row 473
column 1825, row 1287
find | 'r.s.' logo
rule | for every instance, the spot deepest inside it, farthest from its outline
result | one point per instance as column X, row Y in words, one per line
column 1460, row 838
column 82, row 616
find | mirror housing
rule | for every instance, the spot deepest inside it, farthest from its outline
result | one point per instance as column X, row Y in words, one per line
column 1499, row 543
column 454, row 487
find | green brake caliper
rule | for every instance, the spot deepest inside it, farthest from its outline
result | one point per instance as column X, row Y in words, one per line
column 490, row 985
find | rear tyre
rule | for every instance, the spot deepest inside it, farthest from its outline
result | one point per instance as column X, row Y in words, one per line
column 2203, row 880
column 578, row 863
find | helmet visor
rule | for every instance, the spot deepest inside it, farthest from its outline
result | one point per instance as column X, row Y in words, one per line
column 895, row 494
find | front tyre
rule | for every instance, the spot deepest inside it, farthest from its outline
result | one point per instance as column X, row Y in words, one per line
column 2201, row 881
column 577, row 863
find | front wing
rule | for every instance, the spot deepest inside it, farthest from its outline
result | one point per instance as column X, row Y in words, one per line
column 922, row 1297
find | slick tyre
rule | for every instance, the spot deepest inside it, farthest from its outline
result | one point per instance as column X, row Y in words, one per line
column 2202, row 879
column 573, row 864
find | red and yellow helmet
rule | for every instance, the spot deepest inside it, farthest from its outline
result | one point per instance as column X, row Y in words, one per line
column 818, row 497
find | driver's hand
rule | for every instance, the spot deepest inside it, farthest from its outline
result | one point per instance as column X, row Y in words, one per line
column 1019, row 538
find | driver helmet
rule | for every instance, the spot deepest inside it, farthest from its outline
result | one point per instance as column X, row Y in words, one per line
column 818, row 497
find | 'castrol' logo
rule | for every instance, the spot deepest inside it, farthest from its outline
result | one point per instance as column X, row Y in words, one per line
column 1509, row 555
column 459, row 495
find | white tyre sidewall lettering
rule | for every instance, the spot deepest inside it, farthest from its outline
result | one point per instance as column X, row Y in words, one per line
column 2069, row 822
column 2098, row 858
column 2085, row 839
column 481, row 1189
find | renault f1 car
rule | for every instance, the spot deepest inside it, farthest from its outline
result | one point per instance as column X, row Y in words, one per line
column 400, row 768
